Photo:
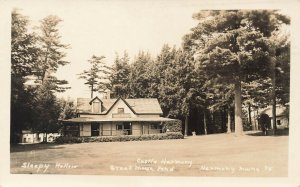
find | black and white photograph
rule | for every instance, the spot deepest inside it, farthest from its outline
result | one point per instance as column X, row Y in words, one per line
column 150, row 90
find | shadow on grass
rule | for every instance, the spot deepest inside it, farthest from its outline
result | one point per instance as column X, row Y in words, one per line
column 279, row 132
column 31, row 147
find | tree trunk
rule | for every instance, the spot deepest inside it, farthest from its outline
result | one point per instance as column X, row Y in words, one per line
column 273, row 94
column 186, row 121
column 249, row 114
column 44, row 74
column 228, row 121
column 254, row 121
column 257, row 114
column 238, row 108
column 204, row 121
column 92, row 90
column 224, row 121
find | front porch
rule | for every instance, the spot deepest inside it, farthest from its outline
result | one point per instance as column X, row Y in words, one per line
column 83, row 127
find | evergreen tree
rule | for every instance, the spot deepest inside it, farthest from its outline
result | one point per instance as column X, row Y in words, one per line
column 96, row 77
column 67, row 109
column 119, row 76
column 46, row 111
column 51, row 55
column 281, row 44
column 34, row 107
column 139, row 78
column 232, row 46
column 24, row 55
column 179, row 90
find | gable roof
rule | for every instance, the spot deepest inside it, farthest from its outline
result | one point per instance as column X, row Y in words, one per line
column 138, row 106
column 124, row 102
column 95, row 99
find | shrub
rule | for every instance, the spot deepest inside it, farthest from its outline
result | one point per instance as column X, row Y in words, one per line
column 174, row 135
column 173, row 126
column 120, row 138
column 67, row 139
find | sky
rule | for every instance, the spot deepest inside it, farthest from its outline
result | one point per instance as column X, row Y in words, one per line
column 110, row 27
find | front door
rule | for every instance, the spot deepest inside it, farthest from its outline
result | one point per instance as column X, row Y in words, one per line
column 95, row 129
column 127, row 128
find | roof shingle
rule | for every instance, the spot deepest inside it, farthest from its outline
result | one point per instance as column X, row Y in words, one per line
column 140, row 106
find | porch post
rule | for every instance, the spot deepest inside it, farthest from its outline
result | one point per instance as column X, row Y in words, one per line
column 111, row 124
column 78, row 129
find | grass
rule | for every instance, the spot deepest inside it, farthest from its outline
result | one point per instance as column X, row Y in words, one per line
column 212, row 155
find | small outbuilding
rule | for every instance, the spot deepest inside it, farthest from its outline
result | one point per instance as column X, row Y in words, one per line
column 282, row 117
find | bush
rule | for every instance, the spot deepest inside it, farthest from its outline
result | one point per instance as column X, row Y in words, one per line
column 66, row 139
column 173, row 126
column 121, row 138
column 247, row 126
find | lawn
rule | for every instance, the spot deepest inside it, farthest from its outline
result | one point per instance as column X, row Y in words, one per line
column 210, row 155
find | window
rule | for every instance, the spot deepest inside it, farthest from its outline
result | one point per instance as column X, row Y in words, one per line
column 119, row 126
column 96, row 107
column 155, row 126
column 95, row 129
column 120, row 110
column 71, row 130
column 278, row 122
column 125, row 127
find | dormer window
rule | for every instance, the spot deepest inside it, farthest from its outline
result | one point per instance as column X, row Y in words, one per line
column 96, row 105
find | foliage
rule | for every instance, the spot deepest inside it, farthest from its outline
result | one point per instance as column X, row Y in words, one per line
column 46, row 110
column 173, row 126
column 145, row 137
column 281, row 44
column 96, row 76
column 24, row 54
column 233, row 47
column 67, row 109
column 35, row 57
column 179, row 88
column 139, row 82
column 119, row 76
column 51, row 55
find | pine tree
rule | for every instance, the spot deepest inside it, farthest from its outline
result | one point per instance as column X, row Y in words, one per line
column 139, row 76
column 67, row 108
column 51, row 55
column 233, row 47
column 24, row 55
column 119, row 76
column 46, row 110
column 96, row 77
